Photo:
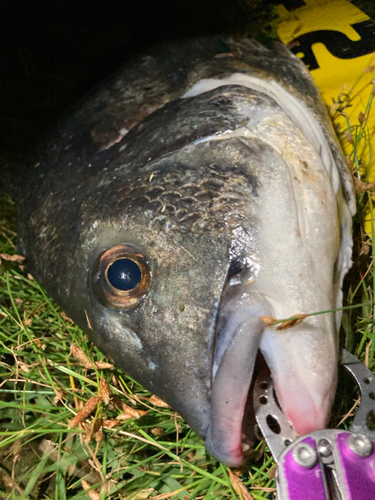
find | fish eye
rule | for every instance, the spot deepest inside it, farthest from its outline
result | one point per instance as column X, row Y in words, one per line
column 121, row 276
column 124, row 274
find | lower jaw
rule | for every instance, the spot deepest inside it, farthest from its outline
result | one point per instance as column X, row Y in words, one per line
column 234, row 449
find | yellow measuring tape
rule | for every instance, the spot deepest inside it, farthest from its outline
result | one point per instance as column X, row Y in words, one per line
column 336, row 40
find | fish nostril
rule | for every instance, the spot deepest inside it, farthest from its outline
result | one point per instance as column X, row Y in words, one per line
column 235, row 267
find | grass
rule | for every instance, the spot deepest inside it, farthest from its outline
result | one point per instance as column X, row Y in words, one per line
column 128, row 447
column 125, row 443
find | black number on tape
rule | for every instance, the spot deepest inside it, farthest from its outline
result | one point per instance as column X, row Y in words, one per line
column 338, row 44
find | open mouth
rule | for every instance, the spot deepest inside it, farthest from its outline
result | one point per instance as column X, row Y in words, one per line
column 238, row 337
column 304, row 382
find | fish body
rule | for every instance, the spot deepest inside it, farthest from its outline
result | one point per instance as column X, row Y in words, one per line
column 197, row 191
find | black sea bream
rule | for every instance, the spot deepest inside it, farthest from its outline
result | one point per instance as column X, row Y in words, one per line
column 199, row 189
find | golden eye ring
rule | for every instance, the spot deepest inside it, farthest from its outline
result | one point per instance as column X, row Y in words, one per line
column 121, row 276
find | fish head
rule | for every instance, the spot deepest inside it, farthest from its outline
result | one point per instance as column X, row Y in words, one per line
column 212, row 213
column 214, row 258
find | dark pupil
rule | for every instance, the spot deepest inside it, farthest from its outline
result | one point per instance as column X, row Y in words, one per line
column 124, row 274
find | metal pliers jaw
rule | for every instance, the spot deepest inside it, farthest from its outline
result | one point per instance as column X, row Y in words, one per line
column 331, row 464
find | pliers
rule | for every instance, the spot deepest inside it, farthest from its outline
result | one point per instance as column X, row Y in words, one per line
column 330, row 464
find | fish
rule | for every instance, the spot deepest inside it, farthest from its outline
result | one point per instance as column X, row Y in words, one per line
column 196, row 192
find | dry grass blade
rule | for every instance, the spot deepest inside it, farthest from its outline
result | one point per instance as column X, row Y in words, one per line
column 268, row 320
column 59, row 396
column 292, row 322
column 89, row 407
column 239, row 487
column 283, row 324
column 154, row 400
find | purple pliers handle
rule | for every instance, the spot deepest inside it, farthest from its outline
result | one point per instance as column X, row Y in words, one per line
column 331, row 464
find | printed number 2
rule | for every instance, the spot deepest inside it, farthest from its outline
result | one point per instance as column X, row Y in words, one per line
column 336, row 42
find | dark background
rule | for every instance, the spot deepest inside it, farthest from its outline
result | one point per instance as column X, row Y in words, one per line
column 52, row 51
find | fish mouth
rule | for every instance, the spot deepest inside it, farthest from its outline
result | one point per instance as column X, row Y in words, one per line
column 239, row 334
column 243, row 341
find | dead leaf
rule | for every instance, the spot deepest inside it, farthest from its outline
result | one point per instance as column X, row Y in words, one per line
column 239, row 487
column 93, row 494
column 12, row 258
column 272, row 472
column 23, row 366
column 102, row 365
column 128, row 412
column 154, row 400
column 81, row 356
column 126, row 416
column 66, row 317
column 360, row 186
column 59, row 395
column 157, row 431
column 99, row 436
column 104, row 391
column 111, row 423
column 41, row 345
column 297, row 319
column 268, row 320
column 365, row 248
column 86, row 363
column 348, row 137
column 90, row 406
column 92, row 429
column 361, row 117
